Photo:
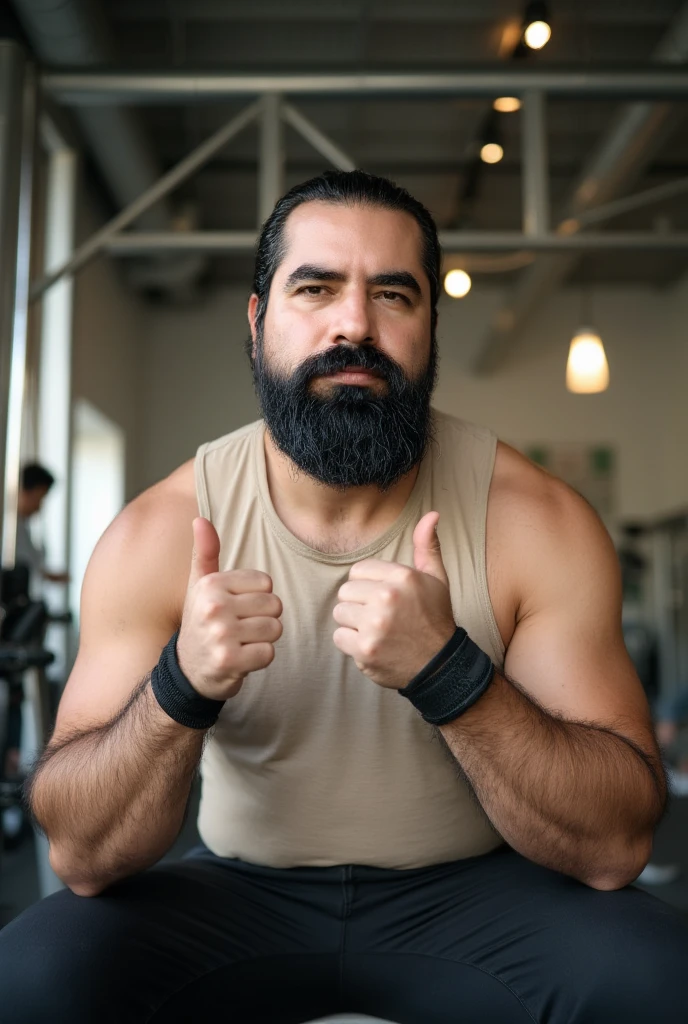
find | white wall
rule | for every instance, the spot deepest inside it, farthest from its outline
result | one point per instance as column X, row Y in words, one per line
column 198, row 379
column 108, row 344
column 199, row 384
column 525, row 399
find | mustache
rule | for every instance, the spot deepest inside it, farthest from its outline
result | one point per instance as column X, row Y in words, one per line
column 341, row 357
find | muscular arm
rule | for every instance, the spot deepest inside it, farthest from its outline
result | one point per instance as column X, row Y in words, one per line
column 112, row 799
column 112, row 786
column 563, row 760
column 579, row 798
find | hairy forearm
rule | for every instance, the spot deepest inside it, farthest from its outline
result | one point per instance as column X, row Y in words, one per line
column 574, row 797
column 111, row 801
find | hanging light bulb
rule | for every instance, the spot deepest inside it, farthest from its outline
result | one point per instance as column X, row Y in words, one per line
column 507, row 104
column 537, row 32
column 491, row 153
column 587, row 369
column 457, row 283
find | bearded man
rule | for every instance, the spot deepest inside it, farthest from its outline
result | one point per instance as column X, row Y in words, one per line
column 428, row 770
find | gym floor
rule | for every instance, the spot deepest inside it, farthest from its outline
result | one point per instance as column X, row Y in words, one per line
column 19, row 877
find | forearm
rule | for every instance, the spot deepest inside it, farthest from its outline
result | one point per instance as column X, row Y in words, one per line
column 112, row 800
column 573, row 797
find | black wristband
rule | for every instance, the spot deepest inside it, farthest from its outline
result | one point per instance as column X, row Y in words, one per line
column 177, row 697
column 452, row 681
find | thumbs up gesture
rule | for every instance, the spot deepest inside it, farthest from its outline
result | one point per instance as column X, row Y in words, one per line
column 393, row 619
column 229, row 623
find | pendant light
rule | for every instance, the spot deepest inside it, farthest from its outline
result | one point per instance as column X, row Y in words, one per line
column 587, row 369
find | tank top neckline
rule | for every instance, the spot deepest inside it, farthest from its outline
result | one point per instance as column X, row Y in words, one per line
column 410, row 509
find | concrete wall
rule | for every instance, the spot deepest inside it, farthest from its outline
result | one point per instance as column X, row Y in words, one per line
column 108, row 344
column 199, row 386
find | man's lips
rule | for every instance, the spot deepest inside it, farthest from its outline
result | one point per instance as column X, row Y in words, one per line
column 353, row 373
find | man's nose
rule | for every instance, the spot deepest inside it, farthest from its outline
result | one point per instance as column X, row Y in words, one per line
column 352, row 321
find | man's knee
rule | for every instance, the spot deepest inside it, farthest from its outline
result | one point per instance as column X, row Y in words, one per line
column 51, row 962
column 639, row 977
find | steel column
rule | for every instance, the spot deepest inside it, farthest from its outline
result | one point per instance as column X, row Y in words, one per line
column 167, row 183
column 17, row 390
column 534, row 164
column 12, row 69
column 271, row 156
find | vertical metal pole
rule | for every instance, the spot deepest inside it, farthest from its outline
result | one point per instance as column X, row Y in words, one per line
column 271, row 159
column 534, row 164
column 12, row 65
column 17, row 393
column 55, row 376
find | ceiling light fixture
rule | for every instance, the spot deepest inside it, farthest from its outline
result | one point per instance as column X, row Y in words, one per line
column 587, row 369
column 537, row 30
column 491, row 153
column 457, row 283
column 507, row 104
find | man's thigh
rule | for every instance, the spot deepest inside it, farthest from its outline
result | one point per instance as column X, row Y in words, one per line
column 498, row 938
column 185, row 939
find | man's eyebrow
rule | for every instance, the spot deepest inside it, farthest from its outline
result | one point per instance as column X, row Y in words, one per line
column 389, row 278
column 310, row 272
column 397, row 279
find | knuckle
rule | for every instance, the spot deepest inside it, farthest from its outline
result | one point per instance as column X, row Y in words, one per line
column 211, row 608
column 263, row 581
column 369, row 649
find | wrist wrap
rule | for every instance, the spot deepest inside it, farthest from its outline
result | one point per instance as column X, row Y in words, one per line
column 177, row 697
column 452, row 681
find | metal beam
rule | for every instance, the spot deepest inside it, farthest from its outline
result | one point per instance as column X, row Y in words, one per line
column 633, row 202
column 534, row 162
column 17, row 392
column 133, row 244
column 621, row 156
column 103, row 88
column 12, row 69
column 271, row 155
column 318, row 140
column 186, row 167
column 442, row 14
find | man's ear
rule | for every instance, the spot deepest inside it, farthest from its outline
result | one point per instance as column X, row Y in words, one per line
column 252, row 308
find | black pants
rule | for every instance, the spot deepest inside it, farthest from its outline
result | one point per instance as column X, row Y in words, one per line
column 491, row 939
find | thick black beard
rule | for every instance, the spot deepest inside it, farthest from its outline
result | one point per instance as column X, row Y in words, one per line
column 353, row 436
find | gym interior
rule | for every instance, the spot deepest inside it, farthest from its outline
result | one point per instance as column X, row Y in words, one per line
column 142, row 145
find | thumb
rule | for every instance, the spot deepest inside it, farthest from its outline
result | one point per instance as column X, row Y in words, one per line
column 206, row 552
column 427, row 556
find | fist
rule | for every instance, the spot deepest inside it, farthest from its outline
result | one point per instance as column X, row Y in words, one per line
column 230, row 622
column 394, row 619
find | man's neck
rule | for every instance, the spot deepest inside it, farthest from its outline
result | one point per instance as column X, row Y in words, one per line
column 328, row 519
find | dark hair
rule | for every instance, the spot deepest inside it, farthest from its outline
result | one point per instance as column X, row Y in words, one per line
column 344, row 188
column 34, row 475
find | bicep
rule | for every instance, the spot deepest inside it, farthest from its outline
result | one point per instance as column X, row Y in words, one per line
column 567, row 650
column 130, row 606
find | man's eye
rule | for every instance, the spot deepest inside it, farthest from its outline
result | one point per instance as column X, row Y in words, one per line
column 311, row 289
column 394, row 297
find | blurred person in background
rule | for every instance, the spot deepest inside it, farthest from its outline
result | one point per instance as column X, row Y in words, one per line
column 35, row 483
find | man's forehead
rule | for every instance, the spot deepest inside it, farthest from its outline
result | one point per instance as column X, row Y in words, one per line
column 318, row 231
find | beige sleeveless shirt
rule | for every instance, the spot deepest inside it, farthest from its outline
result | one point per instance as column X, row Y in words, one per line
column 312, row 763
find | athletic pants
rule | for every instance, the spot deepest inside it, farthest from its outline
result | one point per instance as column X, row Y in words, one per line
column 490, row 940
